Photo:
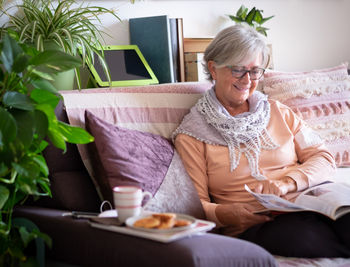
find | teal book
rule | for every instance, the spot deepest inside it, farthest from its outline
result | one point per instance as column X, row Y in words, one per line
column 153, row 36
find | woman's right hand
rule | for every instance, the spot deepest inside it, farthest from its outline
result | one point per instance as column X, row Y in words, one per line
column 239, row 215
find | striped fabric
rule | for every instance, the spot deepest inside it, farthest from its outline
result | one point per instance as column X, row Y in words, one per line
column 285, row 85
column 158, row 109
column 322, row 99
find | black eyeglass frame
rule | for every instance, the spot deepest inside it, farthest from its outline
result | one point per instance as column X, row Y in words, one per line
column 235, row 71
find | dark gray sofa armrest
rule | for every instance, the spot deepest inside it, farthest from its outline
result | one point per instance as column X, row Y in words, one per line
column 76, row 242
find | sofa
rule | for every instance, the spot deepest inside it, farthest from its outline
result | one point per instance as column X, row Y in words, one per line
column 76, row 243
column 132, row 127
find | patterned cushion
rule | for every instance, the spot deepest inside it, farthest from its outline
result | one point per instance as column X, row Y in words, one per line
column 322, row 99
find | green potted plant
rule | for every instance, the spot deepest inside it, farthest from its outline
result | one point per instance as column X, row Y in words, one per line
column 252, row 17
column 70, row 25
column 27, row 121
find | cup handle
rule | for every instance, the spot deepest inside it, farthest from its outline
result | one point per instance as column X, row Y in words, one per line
column 145, row 194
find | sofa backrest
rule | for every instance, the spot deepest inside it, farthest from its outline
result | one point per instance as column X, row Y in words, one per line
column 157, row 109
column 70, row 183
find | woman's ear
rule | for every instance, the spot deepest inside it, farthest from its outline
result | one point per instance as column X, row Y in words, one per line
column 212, row 69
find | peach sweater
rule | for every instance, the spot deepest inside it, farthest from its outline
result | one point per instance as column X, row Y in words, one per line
column 297, row 157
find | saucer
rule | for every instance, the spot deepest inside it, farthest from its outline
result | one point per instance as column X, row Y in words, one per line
column 108, row 213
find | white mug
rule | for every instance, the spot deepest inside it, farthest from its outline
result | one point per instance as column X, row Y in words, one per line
column 128, row 201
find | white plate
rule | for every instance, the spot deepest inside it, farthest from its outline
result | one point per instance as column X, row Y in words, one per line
column 130, row 223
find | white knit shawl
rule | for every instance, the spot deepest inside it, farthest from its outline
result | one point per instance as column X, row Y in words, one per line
column 209, row 122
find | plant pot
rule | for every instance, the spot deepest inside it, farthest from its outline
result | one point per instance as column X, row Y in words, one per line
column 63, row 80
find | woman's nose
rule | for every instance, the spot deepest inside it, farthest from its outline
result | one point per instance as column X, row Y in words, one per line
column 246, row 78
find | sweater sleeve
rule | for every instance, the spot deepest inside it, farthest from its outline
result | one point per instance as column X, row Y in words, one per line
column 192, row 153
column 316, row 163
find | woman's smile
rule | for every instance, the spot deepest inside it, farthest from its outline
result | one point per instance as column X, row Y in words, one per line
column 241, row 88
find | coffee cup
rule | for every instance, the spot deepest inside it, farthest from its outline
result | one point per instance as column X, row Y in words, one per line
column 128, row 201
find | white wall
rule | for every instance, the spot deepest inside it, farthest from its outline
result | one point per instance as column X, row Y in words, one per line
column 305, row 34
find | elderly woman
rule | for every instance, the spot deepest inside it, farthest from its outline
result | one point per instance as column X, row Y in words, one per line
column 234, row 136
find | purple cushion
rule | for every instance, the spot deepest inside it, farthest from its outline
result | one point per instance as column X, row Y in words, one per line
column 127, row 157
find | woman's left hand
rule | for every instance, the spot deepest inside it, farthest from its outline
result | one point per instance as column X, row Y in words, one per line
column 279, row 187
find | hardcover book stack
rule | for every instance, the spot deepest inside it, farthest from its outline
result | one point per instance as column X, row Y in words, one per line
column 160, row 40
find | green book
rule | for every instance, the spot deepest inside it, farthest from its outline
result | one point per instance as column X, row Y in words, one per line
column 152, row 35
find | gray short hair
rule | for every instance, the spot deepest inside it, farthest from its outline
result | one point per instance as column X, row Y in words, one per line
column 236, row 45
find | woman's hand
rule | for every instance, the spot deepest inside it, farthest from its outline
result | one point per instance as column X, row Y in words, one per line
column 278, row 187
column 239, row 215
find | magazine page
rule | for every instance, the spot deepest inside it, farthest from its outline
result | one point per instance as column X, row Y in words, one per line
column 273, row 202
column 331, row 199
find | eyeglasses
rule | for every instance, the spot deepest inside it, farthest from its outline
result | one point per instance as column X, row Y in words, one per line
column 254, row 73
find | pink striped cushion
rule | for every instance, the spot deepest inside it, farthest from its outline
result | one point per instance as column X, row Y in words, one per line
column 322, row 99
column 157, row 109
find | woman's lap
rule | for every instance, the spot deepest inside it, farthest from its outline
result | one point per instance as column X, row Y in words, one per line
column 303, row 234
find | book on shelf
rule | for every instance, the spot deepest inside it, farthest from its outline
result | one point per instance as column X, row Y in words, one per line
column 160, row 40
column 329, row 198
column 194, row 52
column 193, row 67
column 176, row 31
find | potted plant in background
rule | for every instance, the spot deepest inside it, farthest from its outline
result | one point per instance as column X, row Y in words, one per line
column 253, row 18
column 27, row 120
column 69, row 25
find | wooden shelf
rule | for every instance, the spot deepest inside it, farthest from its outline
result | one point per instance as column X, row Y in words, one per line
column 196, row 44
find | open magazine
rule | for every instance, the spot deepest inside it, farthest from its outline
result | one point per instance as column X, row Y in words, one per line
column 330, row 199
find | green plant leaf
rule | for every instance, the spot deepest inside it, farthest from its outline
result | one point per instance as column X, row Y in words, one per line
column 258, row 16
column 263, row 20
column 57, row 139
column 8, row 127
column 44, row 184
column 250, row 17
column 25, row 126
column 44, row 85
column 40, row 160
column 74, row 134
column 25, row 236
column 27, row 168
column 41, row 124
column 42, row 74
column 3, row 169
column 242, row 12
column 56, row 60
column 254, row 18
column 20, row 63
column 9, row 52
column 236, row 19
column 49, row 111
column 4, row 195
column 18, row 100
column 42, row 145
column 9, row 152
column 43, row 96
column 262, row 30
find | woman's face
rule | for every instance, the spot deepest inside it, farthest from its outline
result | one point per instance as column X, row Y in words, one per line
column 233, row 92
